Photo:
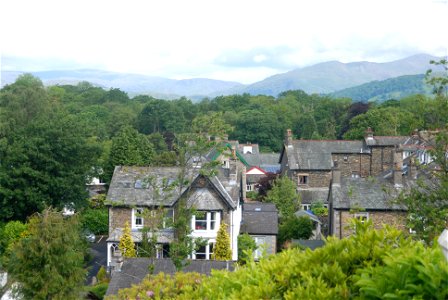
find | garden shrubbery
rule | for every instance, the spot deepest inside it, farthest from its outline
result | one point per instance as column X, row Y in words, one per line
column 371, row 264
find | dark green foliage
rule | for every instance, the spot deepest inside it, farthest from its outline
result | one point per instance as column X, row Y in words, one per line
column 99, row 290
column 260, row 126
column 246, row 245
column 129, row 148
column 45, row 154
column 48, row 260
column 95, row 220
column 295, row 228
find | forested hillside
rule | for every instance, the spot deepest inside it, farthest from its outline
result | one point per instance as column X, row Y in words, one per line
column 393, row 88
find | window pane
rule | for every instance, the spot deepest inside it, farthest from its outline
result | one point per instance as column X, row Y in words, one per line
column 201, row 225
column 212, row 220
column 200, row 253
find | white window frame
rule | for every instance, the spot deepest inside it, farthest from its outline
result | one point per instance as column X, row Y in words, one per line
column 212, row 219
column 249, row 187
column 135, row 218
column 208, row 251
column 362, row 216
column 260, row 241
column 306, row 206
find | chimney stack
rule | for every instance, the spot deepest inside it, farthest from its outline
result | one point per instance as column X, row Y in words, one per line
column 369, row 133
column 398, row 168
column 336, row 173
column 234, row 152
column 288, row 137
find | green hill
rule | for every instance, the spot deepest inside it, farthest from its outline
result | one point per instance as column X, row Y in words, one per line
column 393, row 88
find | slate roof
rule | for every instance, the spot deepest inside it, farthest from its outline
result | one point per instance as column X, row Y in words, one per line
column 386, row 140
column 316, row 154
column 128, row 186
column 135, row 269
column 311, row 195
column 372, row 193
column 259, row 159
column 260, row 219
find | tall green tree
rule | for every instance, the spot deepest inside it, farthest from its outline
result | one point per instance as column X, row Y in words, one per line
column 45, row 155
column 47, row 263
column 222, row 249
column 127, row 246
column 283, row 194
column 129, row 148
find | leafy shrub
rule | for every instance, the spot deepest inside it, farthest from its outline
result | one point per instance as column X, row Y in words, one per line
column 99, row 290
column 246, row 245
column 372, row 264
column 319, row 209
column 163, row 286
column 102, row 275
column 295, row 228
column 95, row 220
column 251, row 195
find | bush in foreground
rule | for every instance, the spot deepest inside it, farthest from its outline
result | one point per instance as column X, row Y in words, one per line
column 371, row 264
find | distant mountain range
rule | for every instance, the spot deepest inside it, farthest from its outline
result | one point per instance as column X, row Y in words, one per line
column 323, row 78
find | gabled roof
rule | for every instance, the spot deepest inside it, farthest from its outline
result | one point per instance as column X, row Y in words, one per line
column 135, row 269
column 260, row 219
column 130, row 187
column 255, row 171
column 316, row 154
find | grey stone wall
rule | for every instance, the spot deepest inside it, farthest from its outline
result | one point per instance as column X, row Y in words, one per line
column 350, row 163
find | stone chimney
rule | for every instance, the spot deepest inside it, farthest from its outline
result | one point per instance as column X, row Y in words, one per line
column 233, row 152
column 288, row 137
column 336, row 173
column 369, row 133
column 397, row 171
column 117, row 261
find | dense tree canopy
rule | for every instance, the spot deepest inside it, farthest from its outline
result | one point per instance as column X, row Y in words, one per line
column 45, row 155
column 48, row 260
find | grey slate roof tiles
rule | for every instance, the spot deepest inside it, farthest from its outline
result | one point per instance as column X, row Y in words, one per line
column 316, row 155
column 260, row 218
column 135, row 269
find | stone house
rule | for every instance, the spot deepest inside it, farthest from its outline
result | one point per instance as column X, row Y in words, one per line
column 216, row 199
column 363, row 176
column 260, row 221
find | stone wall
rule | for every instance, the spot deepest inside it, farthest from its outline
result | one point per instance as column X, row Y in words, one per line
column 342, row 219
column 353, row 163
column 118, row 217
column 382, row 159
column 315, row 179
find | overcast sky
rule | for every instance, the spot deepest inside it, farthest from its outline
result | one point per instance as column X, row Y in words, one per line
column 237, row 40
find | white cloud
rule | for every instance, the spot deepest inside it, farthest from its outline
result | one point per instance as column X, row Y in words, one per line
column 178, row 39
